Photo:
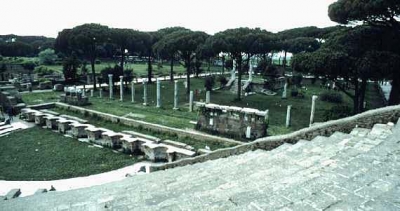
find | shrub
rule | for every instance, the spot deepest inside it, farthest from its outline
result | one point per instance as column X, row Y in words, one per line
column 29, row 65
column 261, row 66
column 294, row 92
column 229, row 64
column 337, row 112
column 297, row 79
column 209, row 83
column 41, row 71
column 222, row 80
column 332, row 97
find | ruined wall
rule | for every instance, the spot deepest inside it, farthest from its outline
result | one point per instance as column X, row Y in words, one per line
column 229, row 123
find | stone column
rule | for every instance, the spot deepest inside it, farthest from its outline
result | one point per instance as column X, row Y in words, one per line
column 176, row 96
column 266, row 117
column 250, row 72
column 110, row 84
column 83, row 92
column 314, row 98
column 121, row 88
column 158, row 93
column 233, row 72
column 91, row 93
column 288, row 115
column 101, row 93
column 144, row 92
column 133, row 91
column 191, row 101
column 284, row 93
column 208, row 96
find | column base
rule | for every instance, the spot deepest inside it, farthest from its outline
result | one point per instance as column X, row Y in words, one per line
column 145, row 104
column 175, row 108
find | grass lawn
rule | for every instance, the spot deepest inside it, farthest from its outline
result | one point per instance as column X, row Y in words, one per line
column 119, row 127
column 180, row 119
column 139, row 69
column 40, row 154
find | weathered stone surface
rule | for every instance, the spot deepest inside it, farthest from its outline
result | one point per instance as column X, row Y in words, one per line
column 326, row 173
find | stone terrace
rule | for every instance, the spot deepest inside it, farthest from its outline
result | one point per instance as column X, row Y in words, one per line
column 356, row 171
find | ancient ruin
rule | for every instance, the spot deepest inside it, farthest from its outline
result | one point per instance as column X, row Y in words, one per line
column 154, row 149
column 74, row 96
column 245, row 123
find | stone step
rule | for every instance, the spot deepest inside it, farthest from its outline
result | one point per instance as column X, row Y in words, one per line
column 358, row 131
column 380, row 131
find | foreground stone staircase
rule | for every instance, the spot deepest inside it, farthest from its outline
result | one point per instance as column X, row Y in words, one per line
column 356, row 171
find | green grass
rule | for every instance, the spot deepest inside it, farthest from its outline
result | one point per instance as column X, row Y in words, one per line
column 40, row 154
column 119, row 128
column 301, row 107
column 139, row 69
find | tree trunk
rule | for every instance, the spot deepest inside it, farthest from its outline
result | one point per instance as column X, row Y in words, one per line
column 149, row 68
column 188, row 76
column 171, row 74
column 239, row 69
column 356, row 97
column 272, row 58
column 394, row 97
column 223, row 64
column 284, row 60
column 209, row 66
column 122, row 60
column 92, row 61
column 363, row 89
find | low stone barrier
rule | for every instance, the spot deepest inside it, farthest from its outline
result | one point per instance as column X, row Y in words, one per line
column 42, row 106
column 146, row 125
column 365, row 120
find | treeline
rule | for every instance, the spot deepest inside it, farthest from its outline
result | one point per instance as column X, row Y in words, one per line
column 26, row 46
column 178, row 44
column 368, row 51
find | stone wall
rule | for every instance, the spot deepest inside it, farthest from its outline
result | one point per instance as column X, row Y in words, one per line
column 244, row 123
column 365, row 120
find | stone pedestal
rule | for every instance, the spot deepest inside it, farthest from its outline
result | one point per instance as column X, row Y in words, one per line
column 288, row 117
column 176, row 96
column 91, row 93
column 266, row 117
column 158, row 93
column 314, row 98
column 284, row 93
column 121, row 88
column 101, row 93
column 191, row 101
column 110, row 85
column 208, row 96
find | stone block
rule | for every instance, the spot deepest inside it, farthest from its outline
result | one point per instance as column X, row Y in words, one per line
column 14, row 193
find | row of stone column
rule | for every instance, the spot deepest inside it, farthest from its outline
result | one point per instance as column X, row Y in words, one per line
column 289, row 108
column 159, row 104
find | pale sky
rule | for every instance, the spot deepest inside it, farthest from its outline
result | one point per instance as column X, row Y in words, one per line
column 48, row 17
